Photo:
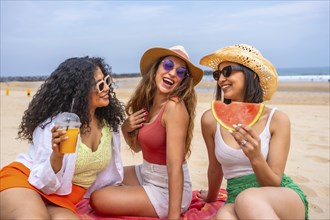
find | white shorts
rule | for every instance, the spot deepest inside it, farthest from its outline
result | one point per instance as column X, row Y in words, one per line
column 154, row 179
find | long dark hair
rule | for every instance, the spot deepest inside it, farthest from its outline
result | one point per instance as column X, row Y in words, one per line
column 253, row 91
column 74, row 78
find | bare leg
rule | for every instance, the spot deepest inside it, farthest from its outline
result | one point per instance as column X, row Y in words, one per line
column 129, row 199
column 130, row 177
column 122, row 200
column 269, row 203
column 22, row 203
column 227, row 212
column 57, row 212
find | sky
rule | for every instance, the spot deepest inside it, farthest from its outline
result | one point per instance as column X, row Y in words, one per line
column 36, row 36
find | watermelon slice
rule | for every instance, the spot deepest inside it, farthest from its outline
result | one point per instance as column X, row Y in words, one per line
column 236, row 113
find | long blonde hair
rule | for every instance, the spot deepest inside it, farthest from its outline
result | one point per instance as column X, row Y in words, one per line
column 145, row 92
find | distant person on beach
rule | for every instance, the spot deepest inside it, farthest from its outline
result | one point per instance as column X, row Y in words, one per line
column 160, row 124
column 46, row 184
column 251, row 159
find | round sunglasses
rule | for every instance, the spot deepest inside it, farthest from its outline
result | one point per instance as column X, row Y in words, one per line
column 226, row 71
column 181, row 72
column 100, row 85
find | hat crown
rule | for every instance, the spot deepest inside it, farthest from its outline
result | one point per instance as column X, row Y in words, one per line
column 248, row 48
column 250, row 57
column 180, row 50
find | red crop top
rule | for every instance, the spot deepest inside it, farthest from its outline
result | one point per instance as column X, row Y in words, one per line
column 152, row 138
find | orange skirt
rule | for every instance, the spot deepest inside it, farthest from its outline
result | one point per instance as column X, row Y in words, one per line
column 16, row 175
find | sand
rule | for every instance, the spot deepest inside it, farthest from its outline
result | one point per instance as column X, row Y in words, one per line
column 306, row 103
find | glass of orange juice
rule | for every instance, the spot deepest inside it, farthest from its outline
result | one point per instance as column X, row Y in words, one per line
column 71, row 123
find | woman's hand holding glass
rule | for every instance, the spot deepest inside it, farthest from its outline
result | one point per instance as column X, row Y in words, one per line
column 56, row 157
column 56, row 140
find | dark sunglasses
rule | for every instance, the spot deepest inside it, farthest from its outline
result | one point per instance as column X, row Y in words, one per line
column 100, row 85
column 181, row 72
column 226, row 71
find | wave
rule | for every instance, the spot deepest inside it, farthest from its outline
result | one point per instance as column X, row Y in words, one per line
column 305, row 78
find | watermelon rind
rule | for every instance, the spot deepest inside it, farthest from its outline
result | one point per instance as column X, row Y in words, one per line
column 224, row 125
column 262, row 107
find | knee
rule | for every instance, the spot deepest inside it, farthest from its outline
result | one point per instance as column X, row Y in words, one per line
column 245, row 200
column 96, row 201
column 101, row 201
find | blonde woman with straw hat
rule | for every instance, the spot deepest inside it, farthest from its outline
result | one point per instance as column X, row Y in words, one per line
column 160, row 124
column 251, row 159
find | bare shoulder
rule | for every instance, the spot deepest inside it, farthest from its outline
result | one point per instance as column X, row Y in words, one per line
column 175, row 110
column 281, row 116
column 175, row 105
column 280, row 119
column 207, row 118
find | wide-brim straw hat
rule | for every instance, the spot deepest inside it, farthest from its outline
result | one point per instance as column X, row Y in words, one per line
column 250, row 57
column 153, row 54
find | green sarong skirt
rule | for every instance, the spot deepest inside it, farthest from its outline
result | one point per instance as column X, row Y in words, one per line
column 237, row 185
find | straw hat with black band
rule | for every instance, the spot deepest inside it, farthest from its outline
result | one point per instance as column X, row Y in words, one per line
column 250, row 57
column 153, row 54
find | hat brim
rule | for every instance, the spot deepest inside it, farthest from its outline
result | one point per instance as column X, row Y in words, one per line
column 266, row 71
column 152, row 55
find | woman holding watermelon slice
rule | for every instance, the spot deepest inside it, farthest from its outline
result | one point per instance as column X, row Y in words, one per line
column 251, row 157
column 160, row 124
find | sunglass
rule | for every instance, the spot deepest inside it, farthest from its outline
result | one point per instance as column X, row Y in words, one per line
column 226, row 71
column 100, row 85
column 181, row 72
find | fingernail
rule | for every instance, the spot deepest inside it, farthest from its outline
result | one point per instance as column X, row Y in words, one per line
column 146, row 113
column 142, row 125
column 230, row 131
column 145, row 118
column 240, row 125
column 235, row 126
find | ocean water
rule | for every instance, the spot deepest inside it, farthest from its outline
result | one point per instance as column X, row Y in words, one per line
column 316, row 74
column 303, row 71
column 309, row 74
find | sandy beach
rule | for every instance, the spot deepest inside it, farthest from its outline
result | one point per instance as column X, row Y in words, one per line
column 306, row 103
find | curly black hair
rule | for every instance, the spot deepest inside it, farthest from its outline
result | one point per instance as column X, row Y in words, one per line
column 74, row 78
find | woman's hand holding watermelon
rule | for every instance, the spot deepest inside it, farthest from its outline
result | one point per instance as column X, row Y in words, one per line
column 247, row 140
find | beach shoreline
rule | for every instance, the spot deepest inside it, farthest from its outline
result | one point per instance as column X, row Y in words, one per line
column 306, row 104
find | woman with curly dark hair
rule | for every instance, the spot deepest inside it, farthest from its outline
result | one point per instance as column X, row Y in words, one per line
column 46, row 184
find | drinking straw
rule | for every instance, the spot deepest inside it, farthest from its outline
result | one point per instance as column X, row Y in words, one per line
column 71, row 110
column 72, row 103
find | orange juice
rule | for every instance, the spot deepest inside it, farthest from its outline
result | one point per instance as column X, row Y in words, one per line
column 69, row 146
